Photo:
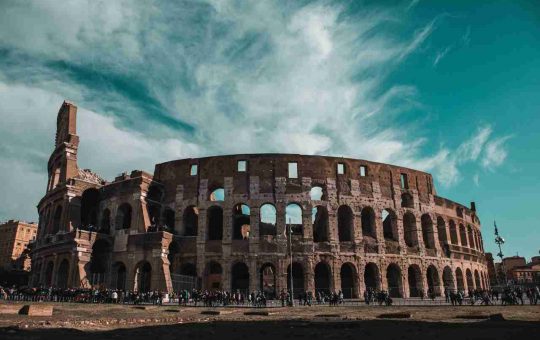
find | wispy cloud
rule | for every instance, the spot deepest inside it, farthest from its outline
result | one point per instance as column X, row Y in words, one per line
column 166, row 80
column 412, row 4
column 441, row 54
column 466, row 38
column 495, row 153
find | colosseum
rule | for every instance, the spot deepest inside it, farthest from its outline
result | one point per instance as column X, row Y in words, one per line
column 250, row 222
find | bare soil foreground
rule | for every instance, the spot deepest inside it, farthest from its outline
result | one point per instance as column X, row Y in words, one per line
column 91, row 321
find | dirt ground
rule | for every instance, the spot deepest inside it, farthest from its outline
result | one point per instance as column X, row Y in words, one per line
column 88, row 321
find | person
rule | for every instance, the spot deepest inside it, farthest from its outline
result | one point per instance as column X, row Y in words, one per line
column 114, row 296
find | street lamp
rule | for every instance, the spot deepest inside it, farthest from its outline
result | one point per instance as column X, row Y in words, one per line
column 499, row 241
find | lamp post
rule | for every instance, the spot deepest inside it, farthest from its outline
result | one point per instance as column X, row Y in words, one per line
column 499, row 241
column 291, row 262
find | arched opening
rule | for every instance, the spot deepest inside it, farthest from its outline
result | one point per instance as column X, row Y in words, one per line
column 57, row 220
column 441, row 231
column 217, row 195
column 240, row 278
column 470, row 282
column 316, row 193
column 368, row 222
column 89, row 208
column 213, row 275
column 241, row 222
column 471, row 237
column 393, row 277
column 268, row 219
column 49, row 274
column 345, row 223
column 293, row 218
column 434, row 285
column 453, row 232
column 407, row 200
column 268, row 280
column 119, row 270
column 459, row 280
column 143, row 277
column 174, row 249
column 105, row 221
column 62, row 274
column 297, row 278
column 319, row 219
column 463, row 235
column 168, row 220
column 154, row 197
column 349, row 285
column 191, row 221
column 99, row 262
column 215, row 223
column 448, row 279
column 390, row 228
column 123, row 216
column 427, row 232
column 477, row 283
column 414, row 277
column 372, row 278
column 409, row 229
column 322, row 278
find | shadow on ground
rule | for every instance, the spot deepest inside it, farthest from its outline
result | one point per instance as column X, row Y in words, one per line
column 278, row 330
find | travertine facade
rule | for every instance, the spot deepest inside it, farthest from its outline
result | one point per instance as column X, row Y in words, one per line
column 355, row 224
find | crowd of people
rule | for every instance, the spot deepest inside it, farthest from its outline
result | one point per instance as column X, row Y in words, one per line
column 212, row 298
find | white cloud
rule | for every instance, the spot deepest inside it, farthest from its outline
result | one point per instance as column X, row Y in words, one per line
column 441, row 54
column 495, row 153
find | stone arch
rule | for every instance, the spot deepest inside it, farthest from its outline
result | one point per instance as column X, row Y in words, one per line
column 349, row 280
column 409, row 229
column 105, row 225
column 119, row 275
column 372, row 276
column 123, row 216
column 293, row 218
column 217, row 195
column 49, row 274
column 143, row 277
column 267, row 220
column 390, row 227
column 63, row 274
column 191, row 221
column 433, row 281
column 90, row 207
column 393, row 277
column 427, row 231
column 453, row 232
column 241, row 221
column 459, row 279
column 297, row 278
column 477, row 282
column 463, row 235
column 407, row 200
column 267, row 280
column 472, row 242
column 319, row 219
column 215, row 223
column 154, row 197
column 345, row 223
column 240, row 277
column 57, row 220
column 188, row 269
column 448, row 279
column 213, row 273
column 368, row 222
column 169, row 219
column 414, row 278
column 441, row 231
column 323, row 278
column 174, row 249
column 99, row 262
column 469, row 277
column 316, row 193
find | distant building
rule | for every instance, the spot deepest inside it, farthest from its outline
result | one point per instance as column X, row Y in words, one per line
column 509, row 263
column 492, row 271
column 14, row 239
column 526, row 274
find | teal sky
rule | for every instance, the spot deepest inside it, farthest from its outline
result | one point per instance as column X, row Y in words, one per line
column 449, row 87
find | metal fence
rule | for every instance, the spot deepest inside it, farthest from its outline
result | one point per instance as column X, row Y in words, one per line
column 184, row 282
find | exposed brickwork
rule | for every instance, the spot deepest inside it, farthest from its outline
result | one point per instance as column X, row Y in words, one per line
column 131, row 251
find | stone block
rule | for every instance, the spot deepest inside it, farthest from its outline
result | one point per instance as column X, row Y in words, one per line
column 9, row 309
column 398, row 315
column 37, row 310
